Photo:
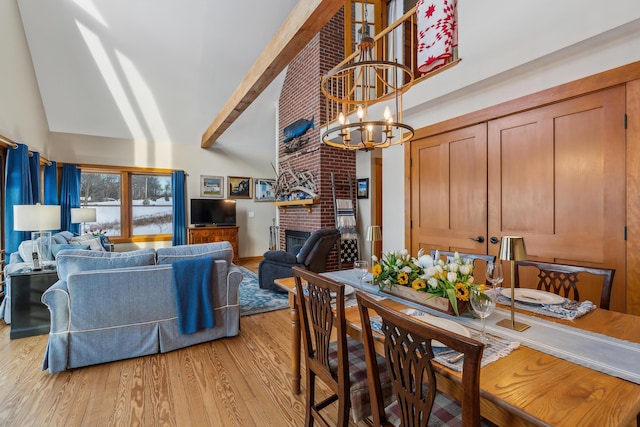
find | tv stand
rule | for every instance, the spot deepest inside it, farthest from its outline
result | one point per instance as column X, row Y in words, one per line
column 209, row 234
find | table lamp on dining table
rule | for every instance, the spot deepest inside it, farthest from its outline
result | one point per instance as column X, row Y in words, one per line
column 374, row 235
column 512, row 249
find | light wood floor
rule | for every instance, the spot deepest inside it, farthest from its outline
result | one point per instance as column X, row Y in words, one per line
column 238, row 381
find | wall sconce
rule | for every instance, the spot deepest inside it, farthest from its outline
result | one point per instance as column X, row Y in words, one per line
column 512, row 249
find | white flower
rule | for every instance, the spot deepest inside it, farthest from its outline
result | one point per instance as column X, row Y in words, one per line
column 433, row 282
column 430, row 271
column 374, row 258
column 403, row 253
column 453, row 267
column 406, row 269
column 425, row 261
column 452, row 277
column 398, row 262
column 465, row 269
column 470, row 280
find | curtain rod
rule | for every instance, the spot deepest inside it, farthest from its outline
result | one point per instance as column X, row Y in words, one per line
column 14, row 145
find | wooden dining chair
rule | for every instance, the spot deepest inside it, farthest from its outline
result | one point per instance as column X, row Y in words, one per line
column 408, row 354
column 337, row 360
column 564, row 279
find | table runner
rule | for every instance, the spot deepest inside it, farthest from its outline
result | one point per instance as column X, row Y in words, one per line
column 599, row 352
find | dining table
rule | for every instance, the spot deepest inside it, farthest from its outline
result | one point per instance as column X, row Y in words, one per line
column 535, row 384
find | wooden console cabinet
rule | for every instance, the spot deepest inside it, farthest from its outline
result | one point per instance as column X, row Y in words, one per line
column 215, row 234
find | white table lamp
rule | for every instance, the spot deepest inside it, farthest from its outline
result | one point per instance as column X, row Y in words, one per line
column 82, row 216
column 38, row 219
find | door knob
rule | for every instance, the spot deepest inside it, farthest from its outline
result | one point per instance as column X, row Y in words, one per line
column 494, row 240
column 478, row 239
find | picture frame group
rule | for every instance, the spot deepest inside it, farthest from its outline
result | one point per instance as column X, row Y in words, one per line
column 238, row 187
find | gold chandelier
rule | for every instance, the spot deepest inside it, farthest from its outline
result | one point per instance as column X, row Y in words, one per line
column 353, row 88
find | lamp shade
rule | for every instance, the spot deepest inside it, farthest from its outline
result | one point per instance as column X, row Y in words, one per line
column 36, row 217
column 512, row 248
column 374, row 234
column 81, row 215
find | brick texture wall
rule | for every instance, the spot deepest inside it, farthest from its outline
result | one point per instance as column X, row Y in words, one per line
column 301, row 98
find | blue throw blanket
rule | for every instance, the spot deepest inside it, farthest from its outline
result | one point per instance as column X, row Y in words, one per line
column 194, row 299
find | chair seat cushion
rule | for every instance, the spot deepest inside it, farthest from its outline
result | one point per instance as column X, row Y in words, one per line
column 359, row 386
column 446, row 411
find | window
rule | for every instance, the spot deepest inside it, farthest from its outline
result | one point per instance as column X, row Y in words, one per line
column 131, row 205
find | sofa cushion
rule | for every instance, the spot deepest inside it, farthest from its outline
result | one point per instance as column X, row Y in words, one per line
column 55, row 248
column 71, row 261
column 218, row 250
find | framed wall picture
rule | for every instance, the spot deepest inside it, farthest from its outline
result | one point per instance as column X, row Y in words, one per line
column 363, row 188
column 239, row 187
column 264, row 190
column 212, row 186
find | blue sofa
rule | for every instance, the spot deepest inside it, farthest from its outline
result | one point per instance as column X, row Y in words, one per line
column 110, row 306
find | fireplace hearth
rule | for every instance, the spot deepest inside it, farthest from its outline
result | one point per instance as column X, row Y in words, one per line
column 294, row 237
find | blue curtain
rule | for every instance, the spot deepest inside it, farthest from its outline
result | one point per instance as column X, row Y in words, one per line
column 18, row 191
column 34, row 170
column 179, row 212
column 51, row 184
column 69, row 196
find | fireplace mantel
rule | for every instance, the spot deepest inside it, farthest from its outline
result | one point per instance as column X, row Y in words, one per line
column 303, row 202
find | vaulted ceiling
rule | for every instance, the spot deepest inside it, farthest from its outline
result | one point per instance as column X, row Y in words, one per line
column 155, row 70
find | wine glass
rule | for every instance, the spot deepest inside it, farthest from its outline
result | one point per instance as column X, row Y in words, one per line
column 495, row 275
column 360, row 269
column 483, row 303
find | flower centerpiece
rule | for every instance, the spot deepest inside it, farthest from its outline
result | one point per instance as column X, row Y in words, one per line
column 452, row 280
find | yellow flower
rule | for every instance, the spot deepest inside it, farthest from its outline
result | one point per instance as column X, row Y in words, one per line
column 377, row 269
column 418, row 284
column 403, row 278
column 462, row 292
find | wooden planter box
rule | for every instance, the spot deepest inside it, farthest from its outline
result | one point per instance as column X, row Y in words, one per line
column 423, row 298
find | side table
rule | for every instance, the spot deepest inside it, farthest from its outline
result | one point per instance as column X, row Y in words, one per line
column 29, row 316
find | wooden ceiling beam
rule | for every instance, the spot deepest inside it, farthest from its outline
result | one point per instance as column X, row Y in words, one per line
column 303, row 23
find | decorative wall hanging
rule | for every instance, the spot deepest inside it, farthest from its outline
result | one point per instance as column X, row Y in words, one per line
column 437, row 33
column 239, row 187
column 212, row 186
column 295, row 185
column 265, row 190
column 293, row 134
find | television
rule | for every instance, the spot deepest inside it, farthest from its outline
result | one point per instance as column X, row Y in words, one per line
column 213, row 212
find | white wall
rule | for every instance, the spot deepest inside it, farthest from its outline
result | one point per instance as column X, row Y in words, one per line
column 22, row 117
column 508, row 50
column 241, row 151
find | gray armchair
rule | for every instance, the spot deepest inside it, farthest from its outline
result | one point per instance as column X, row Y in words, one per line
column 311, row 256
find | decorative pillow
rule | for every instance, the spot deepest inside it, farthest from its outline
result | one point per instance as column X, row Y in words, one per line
column 55, row 248
column 61, row 237
column 88, row 239
column 71, row 261
column 26, row 250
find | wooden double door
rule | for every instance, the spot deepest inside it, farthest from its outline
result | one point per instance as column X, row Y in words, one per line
column 554, row 175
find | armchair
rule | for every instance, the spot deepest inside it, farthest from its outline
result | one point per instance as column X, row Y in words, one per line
column 312, row 256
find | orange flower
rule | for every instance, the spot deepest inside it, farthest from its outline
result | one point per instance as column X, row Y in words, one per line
column 462, row 292
column 418, row 284
column 403, row 278
column 377, row 269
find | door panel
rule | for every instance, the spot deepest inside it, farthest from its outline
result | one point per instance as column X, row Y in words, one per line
column 448, row 191
column 557, row 177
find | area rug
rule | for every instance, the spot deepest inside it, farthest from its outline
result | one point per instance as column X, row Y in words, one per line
column 254, row 300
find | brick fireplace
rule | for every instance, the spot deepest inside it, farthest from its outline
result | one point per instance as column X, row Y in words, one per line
column 301, row 98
